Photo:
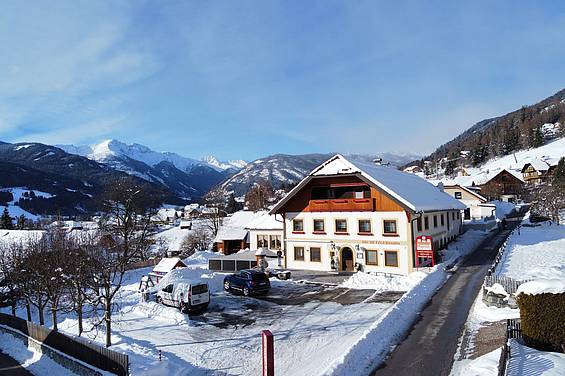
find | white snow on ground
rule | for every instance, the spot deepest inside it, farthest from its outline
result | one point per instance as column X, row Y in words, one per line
column 17, row 193
column 536, row 253
column 35, row 362
column 375, row 343
column 486, row 365
column 361, row 280
column 528, row 361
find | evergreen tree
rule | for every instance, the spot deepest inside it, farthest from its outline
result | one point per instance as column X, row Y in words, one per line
column 6, row 220
column 558, row 179
column 232, row 206
column 536, row 137
column 21, row 222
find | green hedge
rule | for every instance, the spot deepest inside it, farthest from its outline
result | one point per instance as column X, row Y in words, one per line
column 543, row 321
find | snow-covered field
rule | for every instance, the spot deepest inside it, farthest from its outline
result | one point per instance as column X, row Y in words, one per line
column 17, row 193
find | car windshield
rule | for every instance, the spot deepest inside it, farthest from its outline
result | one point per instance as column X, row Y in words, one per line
column 199, row 289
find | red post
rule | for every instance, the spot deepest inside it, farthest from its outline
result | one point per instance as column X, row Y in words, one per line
column 268, row 353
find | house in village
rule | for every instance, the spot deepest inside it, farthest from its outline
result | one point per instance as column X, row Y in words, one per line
column 347, row 215
column 413, row 169
column 233, row 235
column 477, row 206
column 266, row 231
column 503, row 186
column 538, row 171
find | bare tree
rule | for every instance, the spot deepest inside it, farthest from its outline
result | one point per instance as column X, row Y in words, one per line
column 31, row 275
column 197, row 240
column 10, row 259
column 126, row 226
column 259, row 196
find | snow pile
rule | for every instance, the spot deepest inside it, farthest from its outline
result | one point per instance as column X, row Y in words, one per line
column 542, row 286
column 30, row 359
column 200, row 259
column 503, row 208
column 159, row 312
column 486, row 365
column 528, row 361
column 497, row 289
column 463, row 245
column 361, row 280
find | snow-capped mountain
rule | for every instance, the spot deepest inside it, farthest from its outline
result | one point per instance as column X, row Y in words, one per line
column 237, row 164
column 188, row 178
column 109, row 150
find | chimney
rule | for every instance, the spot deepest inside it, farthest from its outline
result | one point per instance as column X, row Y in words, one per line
column 378, row 161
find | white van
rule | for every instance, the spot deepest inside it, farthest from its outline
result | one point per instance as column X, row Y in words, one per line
column 185, row 295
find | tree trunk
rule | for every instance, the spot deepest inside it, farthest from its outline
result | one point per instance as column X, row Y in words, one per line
column 108, row 319
column 41, row 317
column 28, row 312
column 79, row 317
column 54, row 318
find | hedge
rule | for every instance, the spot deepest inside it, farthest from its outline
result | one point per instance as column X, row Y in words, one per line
column 543, row 321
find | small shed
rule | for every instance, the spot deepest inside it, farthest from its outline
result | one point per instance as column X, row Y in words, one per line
column 165, row 266
column 238, row 261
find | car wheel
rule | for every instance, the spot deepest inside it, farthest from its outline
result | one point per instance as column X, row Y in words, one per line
column 226, row 286
column 159, row 300
column 246, row 291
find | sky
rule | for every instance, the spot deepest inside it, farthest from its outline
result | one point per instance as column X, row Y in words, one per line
column 246, row 79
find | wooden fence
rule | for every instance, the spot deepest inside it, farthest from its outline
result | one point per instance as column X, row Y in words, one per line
column 143, row 264
column 513, row 330
column 89, row 353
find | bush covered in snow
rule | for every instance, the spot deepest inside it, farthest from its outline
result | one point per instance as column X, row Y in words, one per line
column 542, row 316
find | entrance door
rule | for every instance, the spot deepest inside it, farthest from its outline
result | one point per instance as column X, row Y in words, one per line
column 347, row 259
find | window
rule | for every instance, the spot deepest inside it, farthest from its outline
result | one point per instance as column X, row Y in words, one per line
column 262, row 241
column 453, row 215
column 365, row 226
column 391, row 258
column 275, row 242
column 389, row 227
column 435, row 221
column 371, row 257
column 442, row 220
column 319, row 225
column 315, row 254
column 458, row 195
column 340, row 225
column 340, row 192
column 299, row 253
column 426, row 223
column 419, row 223
column 298, row 225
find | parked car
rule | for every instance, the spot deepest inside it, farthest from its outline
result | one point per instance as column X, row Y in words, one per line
column 248, row 281
column 185, row 295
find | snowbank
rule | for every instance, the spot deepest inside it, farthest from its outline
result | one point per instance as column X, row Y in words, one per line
column 486, row 365
column 542, row 286
column 200, row 259
column 361, row 280
column 498, row 289
column 528, row 361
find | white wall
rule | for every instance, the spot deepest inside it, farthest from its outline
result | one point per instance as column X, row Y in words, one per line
column 253, row 236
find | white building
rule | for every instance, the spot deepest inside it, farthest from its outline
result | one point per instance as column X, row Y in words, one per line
column 345, row 214
column 477, row 207
column 266, row 231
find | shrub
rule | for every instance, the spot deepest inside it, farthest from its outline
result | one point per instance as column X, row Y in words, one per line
column 543, row 324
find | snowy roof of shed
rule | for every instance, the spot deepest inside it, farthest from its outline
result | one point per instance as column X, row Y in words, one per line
column 409, row 189
column 167, row 264
column 265, row 222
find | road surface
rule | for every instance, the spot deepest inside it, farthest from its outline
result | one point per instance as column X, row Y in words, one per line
column 8, row 366
column 430, row 346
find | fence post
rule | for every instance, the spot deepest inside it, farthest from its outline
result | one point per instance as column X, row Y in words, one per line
column 268, row 352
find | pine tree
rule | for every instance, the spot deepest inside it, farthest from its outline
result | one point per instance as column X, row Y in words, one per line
column 6, row 220
column 536, row 137
column 558, row 179
column 21, row 222
column 232, row 205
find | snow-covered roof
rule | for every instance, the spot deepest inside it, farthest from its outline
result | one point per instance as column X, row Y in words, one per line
column 411, row 190
column 470, row 191
column 479, row 178
column 167, row 264
column 234, row 226
column 265, row 222
column 538, row 164
column 542, row 286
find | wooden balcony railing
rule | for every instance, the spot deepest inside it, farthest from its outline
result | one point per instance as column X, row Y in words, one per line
column 342, row 205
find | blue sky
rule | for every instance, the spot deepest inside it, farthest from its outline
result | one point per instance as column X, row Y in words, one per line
column 243, row 79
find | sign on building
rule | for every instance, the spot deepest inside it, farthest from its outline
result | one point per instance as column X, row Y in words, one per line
column 424, row 250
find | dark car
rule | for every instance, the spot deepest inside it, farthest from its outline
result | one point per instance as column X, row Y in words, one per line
column 248, row 281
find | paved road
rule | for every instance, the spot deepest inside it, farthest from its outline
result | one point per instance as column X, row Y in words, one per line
column 8, row 366
column 431, row 345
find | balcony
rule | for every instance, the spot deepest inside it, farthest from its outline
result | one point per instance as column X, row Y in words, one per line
column 342, row 205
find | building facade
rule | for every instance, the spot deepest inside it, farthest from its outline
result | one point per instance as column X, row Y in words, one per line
column 477, row 206
column 347, row 217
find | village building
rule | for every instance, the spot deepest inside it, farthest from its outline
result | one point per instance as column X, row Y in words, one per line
column 538, row 171
column 266, row 232
column 345, row 216
column 233, row 235
column 413, row 169
column 477, row 206
column 503, row 186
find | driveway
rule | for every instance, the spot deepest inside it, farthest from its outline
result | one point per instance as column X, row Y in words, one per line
column 8, row 366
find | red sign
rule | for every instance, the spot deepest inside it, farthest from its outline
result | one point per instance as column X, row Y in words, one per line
column 424, row 249
column 268, row 352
